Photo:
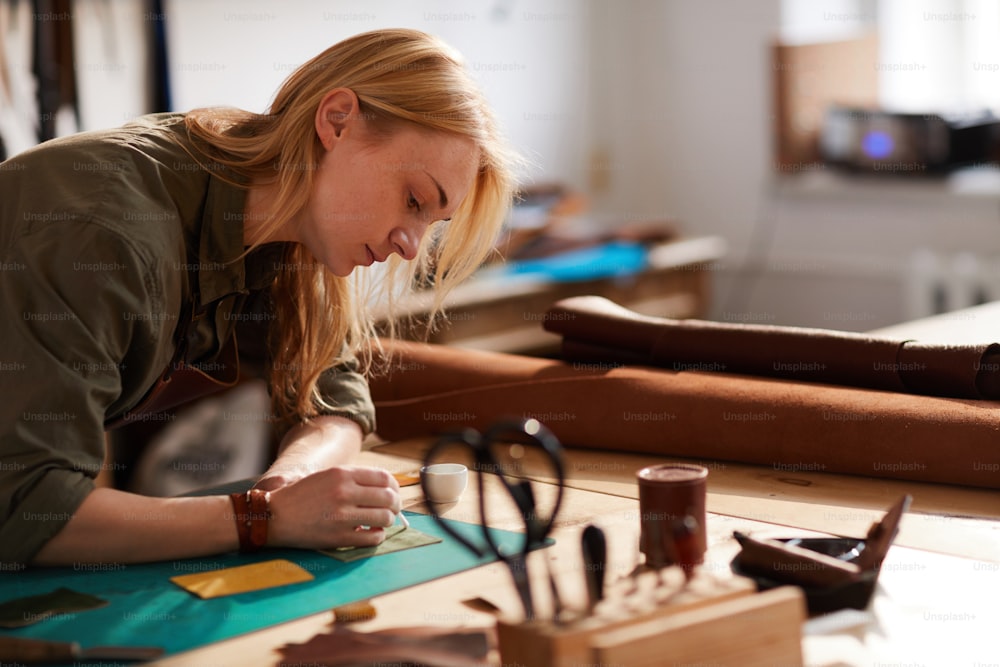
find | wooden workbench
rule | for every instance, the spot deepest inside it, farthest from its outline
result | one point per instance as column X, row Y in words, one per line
column 936, row 603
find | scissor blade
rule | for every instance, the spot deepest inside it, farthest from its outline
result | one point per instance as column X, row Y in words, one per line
column 518, row 566
column 536, row 527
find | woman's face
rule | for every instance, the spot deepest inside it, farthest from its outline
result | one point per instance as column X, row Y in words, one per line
column 377, row 195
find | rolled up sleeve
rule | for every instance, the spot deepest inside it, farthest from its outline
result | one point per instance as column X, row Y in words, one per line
column 76, row 301
column 345, row 391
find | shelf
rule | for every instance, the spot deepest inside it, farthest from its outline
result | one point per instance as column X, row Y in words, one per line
column 827, row 183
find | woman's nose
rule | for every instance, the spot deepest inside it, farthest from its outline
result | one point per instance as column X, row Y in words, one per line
column 406, row 242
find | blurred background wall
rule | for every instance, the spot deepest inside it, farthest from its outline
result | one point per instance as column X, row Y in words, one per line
column 652, row 109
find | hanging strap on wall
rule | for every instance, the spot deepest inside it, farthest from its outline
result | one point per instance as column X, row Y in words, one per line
column 52, row 63
column 159, row 63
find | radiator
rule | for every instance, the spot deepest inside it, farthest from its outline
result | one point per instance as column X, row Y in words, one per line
column 942, row 282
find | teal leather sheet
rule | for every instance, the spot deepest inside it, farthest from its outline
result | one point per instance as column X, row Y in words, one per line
column 146, row 609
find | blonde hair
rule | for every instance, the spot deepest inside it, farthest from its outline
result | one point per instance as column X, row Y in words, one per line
column 399, row 76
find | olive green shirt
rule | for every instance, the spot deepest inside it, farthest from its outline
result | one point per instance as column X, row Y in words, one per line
column 104, row 238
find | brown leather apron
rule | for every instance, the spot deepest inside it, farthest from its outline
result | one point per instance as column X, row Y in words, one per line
column 182, row 382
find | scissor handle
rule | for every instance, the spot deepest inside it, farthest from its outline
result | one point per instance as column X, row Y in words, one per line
column 522, row 431
column 530, row 431
column 473, row 440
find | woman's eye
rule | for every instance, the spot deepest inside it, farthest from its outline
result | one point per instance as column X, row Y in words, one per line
column 412, row 202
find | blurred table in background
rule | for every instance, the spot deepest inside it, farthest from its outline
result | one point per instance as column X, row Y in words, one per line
column 502, row 311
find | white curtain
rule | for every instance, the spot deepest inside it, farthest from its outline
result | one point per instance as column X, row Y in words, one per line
column 111, row 64
column 939, row 55
column 112, row 61
column 18, row 107
column 935, row 56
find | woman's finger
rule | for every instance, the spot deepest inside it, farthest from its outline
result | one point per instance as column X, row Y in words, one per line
column 366, row 476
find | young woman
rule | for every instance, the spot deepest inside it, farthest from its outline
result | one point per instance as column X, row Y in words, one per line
column 135, row 257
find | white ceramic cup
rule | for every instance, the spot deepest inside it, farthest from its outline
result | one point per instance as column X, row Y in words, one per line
column 444, row 482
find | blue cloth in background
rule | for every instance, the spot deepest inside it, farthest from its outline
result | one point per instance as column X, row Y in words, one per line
column 608, row 260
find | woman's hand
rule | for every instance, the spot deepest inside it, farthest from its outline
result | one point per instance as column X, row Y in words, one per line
column 323, row 510
column 337, row 507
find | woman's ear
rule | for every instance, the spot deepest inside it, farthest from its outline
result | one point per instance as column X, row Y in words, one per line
column 336, row 114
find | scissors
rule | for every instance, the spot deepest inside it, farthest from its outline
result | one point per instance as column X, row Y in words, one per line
column 485, row 448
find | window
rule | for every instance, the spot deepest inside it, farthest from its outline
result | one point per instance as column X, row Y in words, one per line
column 935, row 56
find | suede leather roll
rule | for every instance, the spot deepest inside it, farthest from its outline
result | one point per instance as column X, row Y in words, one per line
column 594, row 329
column 787, row 425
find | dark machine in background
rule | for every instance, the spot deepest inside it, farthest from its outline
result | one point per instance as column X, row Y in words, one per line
column 907, row 144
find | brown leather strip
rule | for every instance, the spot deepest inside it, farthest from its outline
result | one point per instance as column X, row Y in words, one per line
column 241, row 515
column 251, row 511
column 260, row 514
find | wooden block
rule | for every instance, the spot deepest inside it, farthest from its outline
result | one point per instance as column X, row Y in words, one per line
column 761, row 630
column 693, row 624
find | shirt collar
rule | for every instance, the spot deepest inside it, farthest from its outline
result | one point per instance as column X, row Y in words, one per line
column 221, row 270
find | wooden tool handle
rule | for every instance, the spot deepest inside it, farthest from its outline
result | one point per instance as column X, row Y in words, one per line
column 595, row 556
column 35, row 651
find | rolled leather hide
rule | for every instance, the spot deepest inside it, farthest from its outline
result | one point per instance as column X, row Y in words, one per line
column 787, row 425
column 595, row 329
